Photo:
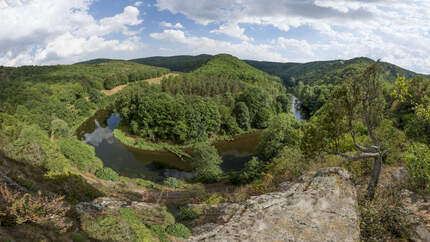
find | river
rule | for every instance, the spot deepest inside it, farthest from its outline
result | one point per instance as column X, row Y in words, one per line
column 157, row 165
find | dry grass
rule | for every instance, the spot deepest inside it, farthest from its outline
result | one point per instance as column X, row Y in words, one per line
column 20, row 208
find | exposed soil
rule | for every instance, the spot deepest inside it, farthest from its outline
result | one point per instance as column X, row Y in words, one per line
column 156, row 81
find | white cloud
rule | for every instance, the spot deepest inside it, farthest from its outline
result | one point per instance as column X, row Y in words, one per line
column 393, row 30
column 232, row 30
column 47, row 31
column 170, row 25
column 138, row 3
column 200, row 45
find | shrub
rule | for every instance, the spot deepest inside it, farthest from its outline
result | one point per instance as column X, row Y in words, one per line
column 215, row 198
column 418, row 162
column 178, row 230
column 122, row 225
column 383, row 218
column 173, row 182
column 20, row 208
column 187, row 213
column 107, row 174
column 81, row 154
column 249, row 173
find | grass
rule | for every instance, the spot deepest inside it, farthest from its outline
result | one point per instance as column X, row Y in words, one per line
column 133, row 224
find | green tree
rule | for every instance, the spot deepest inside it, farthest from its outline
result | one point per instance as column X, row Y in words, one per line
column 59, row 128
column 206, row 162
column 242, row 116
column 359, row 101
column 283, row 130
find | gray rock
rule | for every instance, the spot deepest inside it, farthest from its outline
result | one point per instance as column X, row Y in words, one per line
column 108, row 203
column 321, row 206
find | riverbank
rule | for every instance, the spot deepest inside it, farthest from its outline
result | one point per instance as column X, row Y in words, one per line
column 182, row 151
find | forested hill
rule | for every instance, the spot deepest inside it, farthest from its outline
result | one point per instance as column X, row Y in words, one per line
column 327, row 72
column 228, row 66
column 180, row 63
column 221, row 74
column 95, row 61
column 70, row 92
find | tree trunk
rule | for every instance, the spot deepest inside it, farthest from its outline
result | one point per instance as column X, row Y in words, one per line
column 376, row 172
column 52, row 135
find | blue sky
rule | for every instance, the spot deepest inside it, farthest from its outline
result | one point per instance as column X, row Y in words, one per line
column 36, row 32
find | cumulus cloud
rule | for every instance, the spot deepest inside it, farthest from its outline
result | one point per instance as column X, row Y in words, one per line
column 394, row 30
column 170, row 25
column 45, row 31
column 200, row 45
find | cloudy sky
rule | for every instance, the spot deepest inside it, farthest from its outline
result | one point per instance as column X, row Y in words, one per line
column 66, row 31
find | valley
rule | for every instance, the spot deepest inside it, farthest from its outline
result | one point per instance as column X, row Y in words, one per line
column 156, row 149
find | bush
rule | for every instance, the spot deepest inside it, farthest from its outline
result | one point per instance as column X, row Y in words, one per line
column 187, row 213
column 249, row 173
column 418, row 163
column 215, row 198
column 19, row 208
column 173, row 182
column 178, row 230
column 107, row 174
column 81, row 154
column 383, row 218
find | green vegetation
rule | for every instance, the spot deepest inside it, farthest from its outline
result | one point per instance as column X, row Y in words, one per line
column 359, row 119
column 418, row 163
column 131, row 224
column 223, row 97
column 206, row 162
column 189, row 213
column 283, row 130
column 82, row 155
column 178, row 230
column 107, row 174
column 181, row 63
column 312, row 82
column 252, row 171
column 173, row 182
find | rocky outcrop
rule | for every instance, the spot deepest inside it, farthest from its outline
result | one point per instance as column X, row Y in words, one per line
column 320, row 206
column 416, row 207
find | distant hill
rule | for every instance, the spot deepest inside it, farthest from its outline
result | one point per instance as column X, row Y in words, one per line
column 180, row 63
column 95, row 61
column 332, row 72
column 325, row 71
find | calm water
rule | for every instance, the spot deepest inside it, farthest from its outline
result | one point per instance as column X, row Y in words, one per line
column 296, row 109
column 157, row 165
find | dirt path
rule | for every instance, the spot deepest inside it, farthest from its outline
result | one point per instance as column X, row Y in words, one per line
column 156, row 80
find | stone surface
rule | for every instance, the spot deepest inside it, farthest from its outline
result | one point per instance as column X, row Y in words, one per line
column 108, row 203
column 320, row 206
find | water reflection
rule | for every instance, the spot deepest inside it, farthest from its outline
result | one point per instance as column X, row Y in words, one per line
column 156, row 165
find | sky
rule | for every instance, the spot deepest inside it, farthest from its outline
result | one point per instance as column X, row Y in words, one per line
column 45, row 32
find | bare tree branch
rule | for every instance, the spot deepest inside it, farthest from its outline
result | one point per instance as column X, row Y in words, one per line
column 359, row 156
column 372, row 149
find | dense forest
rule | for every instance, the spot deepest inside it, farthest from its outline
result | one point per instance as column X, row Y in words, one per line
column 226, row 96
column 180, row 63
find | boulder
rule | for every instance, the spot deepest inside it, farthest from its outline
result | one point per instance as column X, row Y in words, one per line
column 320, row 206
